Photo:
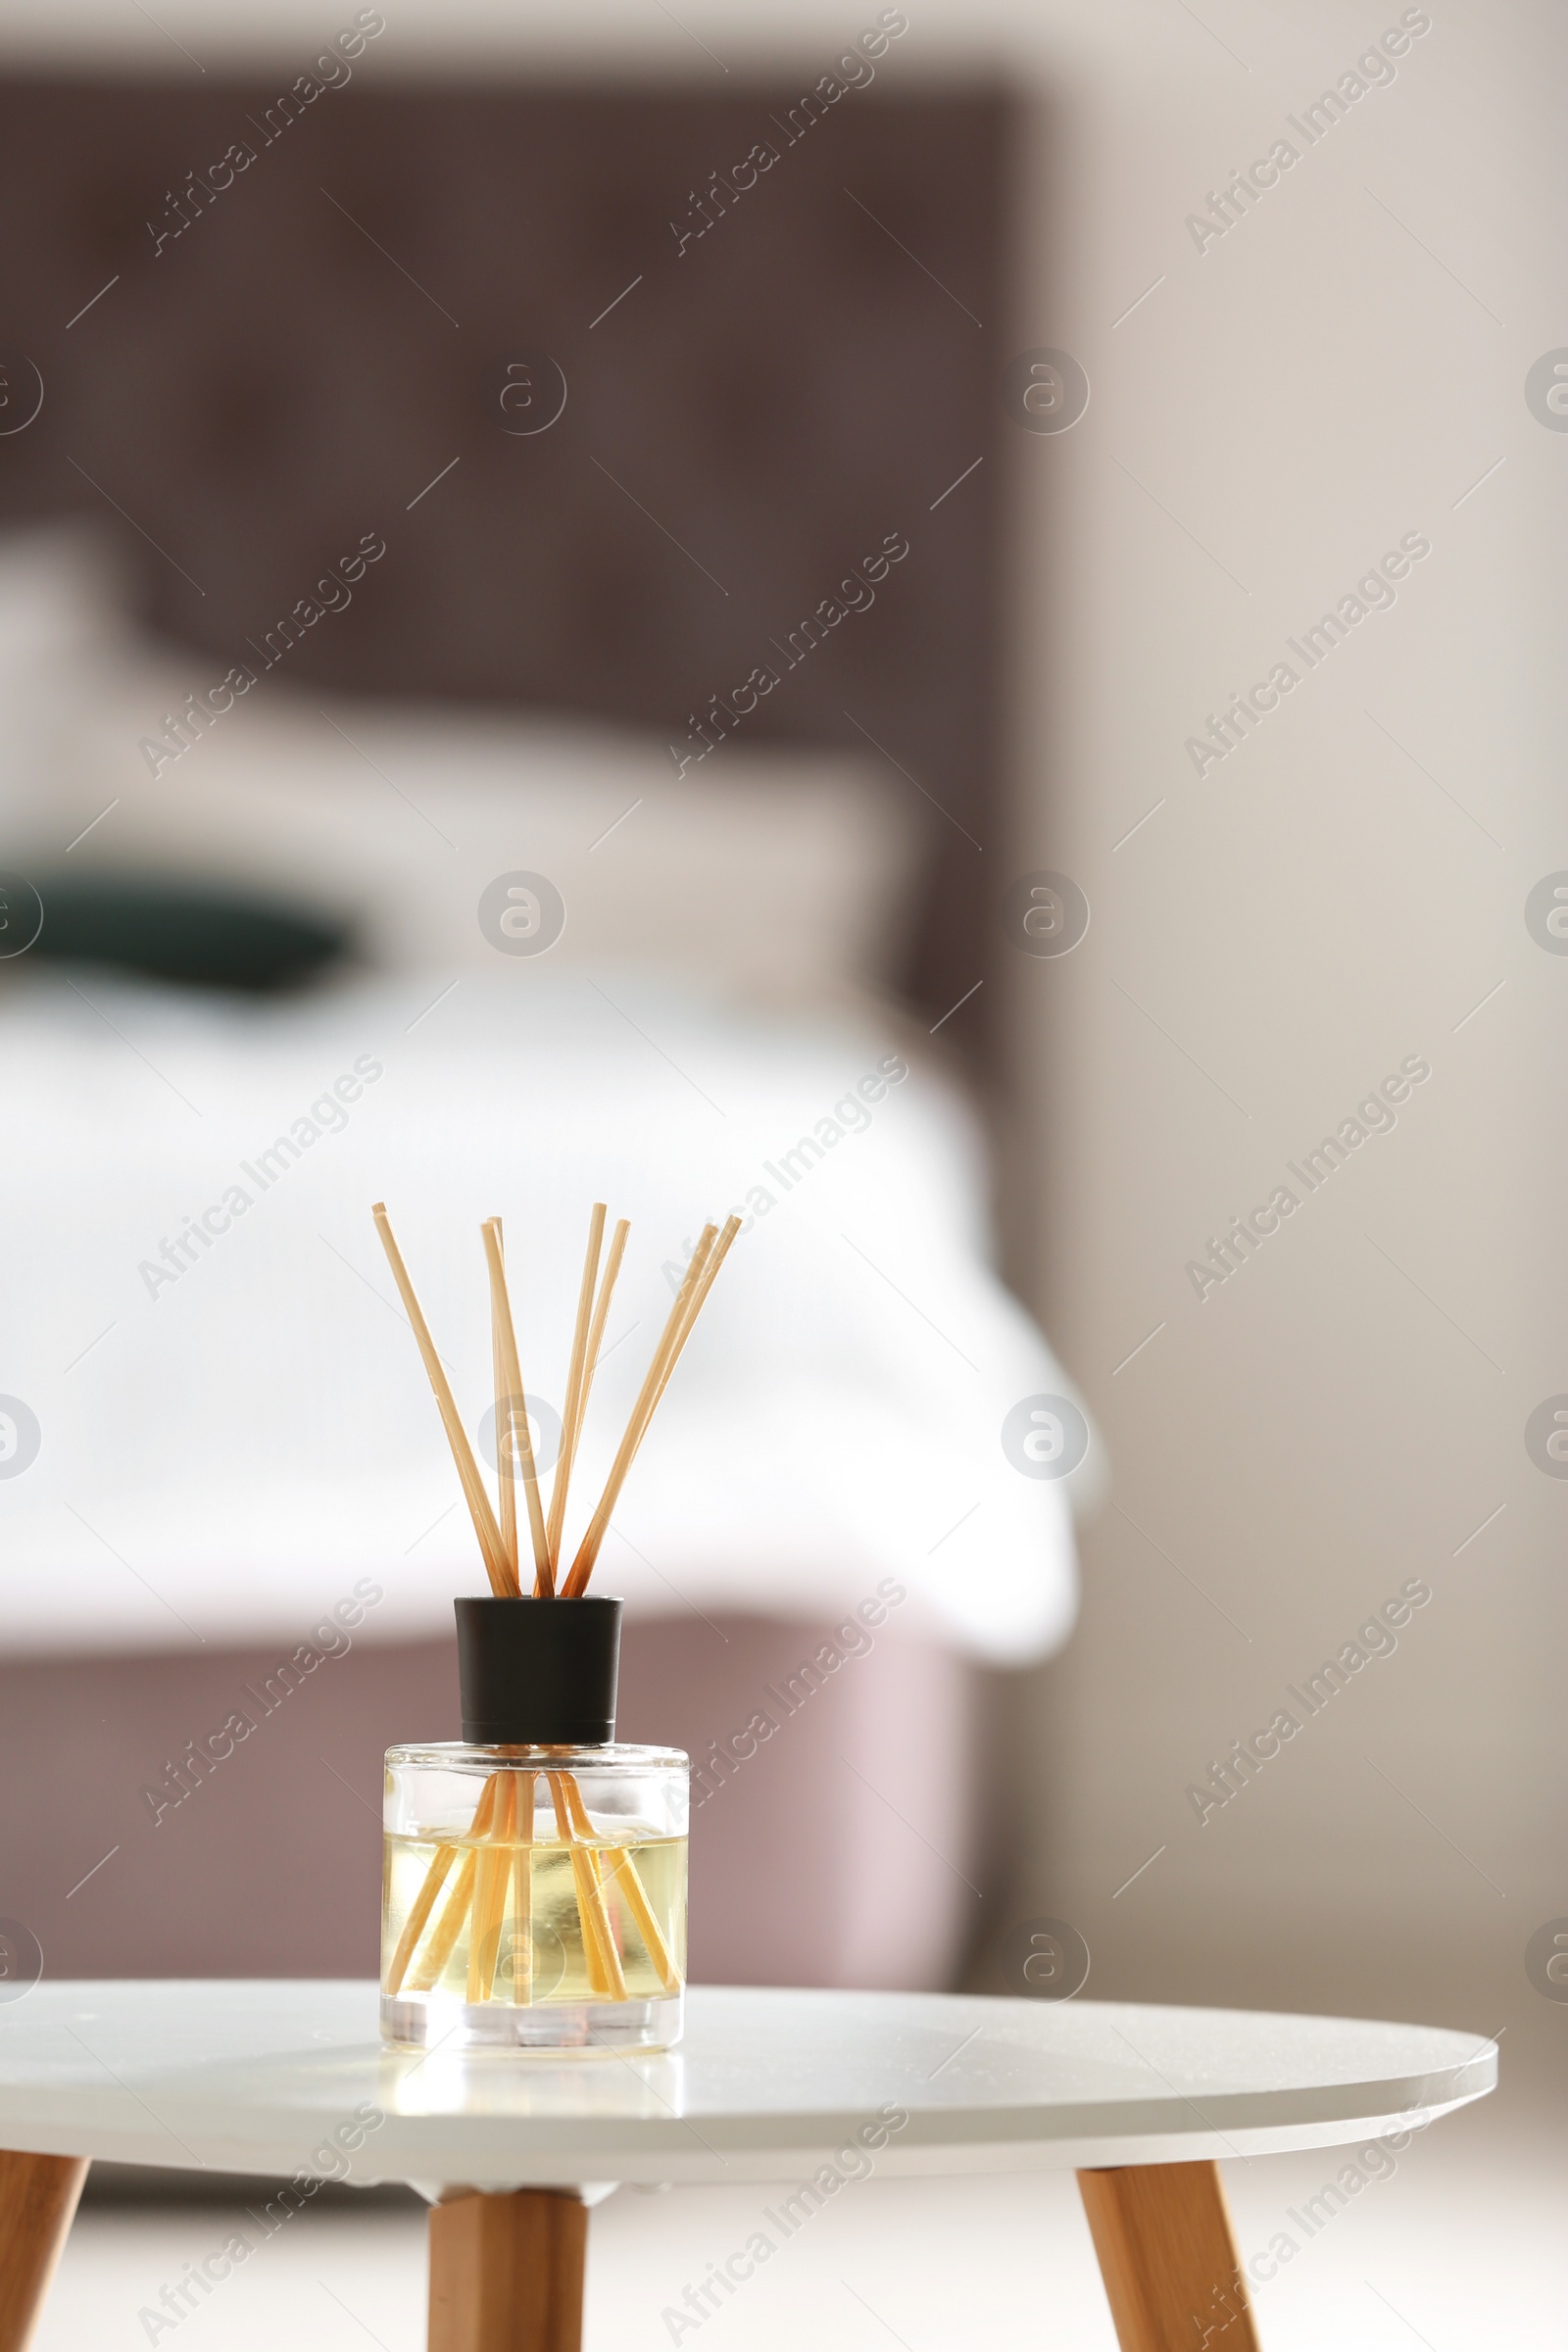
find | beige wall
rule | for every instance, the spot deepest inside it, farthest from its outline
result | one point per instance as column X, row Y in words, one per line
column 1341, row 1414
column 1335, row 371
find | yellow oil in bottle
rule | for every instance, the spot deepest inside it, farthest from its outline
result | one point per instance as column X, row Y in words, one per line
column 533, row 1922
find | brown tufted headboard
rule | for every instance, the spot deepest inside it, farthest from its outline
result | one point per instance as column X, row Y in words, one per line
column 253, row 364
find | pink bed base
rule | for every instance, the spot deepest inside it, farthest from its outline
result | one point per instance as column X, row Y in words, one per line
column 831, row 1849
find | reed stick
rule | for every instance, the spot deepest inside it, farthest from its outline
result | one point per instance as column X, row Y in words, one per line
column 490, row 1898
column 694, row 1307
column 699, row 1299
column 707, row 1258
column 522, row 1895
column 517, row 1401
column 571, row 1402
column 448, row 1928
column 479, row 1904
column 492, row 1549
column 502, row 1884
column 598, row 1935
column 618, row 1859
column 596, row 1335
column 592, row 1950
column 501, row 1879
column 506, row 1484
column 585, row 1340
column 440, row 1864
column 582, row 1567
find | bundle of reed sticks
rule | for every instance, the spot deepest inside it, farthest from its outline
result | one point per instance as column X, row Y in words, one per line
column 492, row 1890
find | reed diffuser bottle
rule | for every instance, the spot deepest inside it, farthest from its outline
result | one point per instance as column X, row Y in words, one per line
column 534, row 1874
column 535, row 1871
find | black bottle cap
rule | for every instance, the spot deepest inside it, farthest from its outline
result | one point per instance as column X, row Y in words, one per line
column 538, row 1672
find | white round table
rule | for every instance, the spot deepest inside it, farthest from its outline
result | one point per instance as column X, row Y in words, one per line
column 291, row 2078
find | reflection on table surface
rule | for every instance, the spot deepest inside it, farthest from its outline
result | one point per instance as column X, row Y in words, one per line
column 497, row 2082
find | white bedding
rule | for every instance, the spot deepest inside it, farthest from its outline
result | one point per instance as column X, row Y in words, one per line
column 223, row 1453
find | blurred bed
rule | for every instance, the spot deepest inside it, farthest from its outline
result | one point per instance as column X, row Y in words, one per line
column 232, row 1436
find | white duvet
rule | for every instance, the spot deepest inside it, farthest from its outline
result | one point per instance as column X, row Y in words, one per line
column 233, row 1427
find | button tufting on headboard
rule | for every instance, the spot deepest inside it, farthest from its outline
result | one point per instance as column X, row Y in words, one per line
column 763, row 385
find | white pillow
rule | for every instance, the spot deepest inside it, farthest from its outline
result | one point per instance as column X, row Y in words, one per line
column 771, row 873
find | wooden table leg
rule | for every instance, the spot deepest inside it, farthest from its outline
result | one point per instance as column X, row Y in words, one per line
column 507, row 2271
column 1166, row 2254
column 38, row 2201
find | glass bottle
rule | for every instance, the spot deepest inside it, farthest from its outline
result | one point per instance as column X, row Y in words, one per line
column 535, row 1880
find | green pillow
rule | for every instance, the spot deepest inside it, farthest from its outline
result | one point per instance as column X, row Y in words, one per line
column 202, row 934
